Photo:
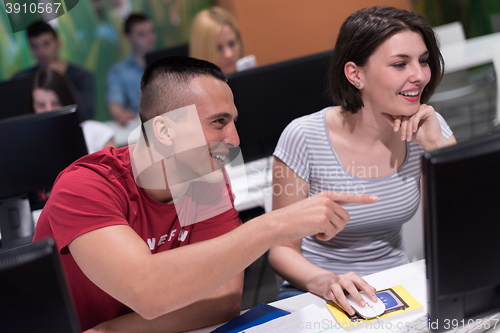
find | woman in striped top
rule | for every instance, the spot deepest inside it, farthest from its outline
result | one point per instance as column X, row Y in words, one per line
column 385, row 65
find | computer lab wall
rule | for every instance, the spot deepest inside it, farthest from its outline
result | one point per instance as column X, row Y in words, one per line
column 284, row 29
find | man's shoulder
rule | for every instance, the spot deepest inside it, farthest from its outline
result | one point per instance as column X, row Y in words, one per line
column 77, row 71
column 25, row 72
column 123, row 64
column 92, row 192
column 109, row 163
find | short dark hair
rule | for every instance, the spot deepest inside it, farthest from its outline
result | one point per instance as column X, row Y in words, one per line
column 165, row 84
column 361, row 34
column 37, row 28
column 133, row 19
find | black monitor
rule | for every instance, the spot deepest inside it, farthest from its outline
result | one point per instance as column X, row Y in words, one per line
column 269, row 97
column 34, row 292
column 14, row 97
column 35, row 149
column 461, row 197
column 180, row 50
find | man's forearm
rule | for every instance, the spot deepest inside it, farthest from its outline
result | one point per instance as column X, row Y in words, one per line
column 222, row 305
column 115, row 110
column 173, row 279
column 120, row 114
column 153, row 285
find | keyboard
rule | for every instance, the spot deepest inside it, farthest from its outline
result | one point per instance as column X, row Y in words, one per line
column 421, row 325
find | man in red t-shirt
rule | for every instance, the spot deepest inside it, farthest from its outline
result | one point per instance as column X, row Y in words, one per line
column 121, row 217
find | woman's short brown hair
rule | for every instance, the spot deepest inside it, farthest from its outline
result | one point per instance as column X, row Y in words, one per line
column 361, row 34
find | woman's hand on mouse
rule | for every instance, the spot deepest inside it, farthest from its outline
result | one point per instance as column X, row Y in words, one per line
column 334, row 288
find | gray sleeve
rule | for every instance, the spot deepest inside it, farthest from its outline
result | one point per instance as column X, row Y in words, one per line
column 445, row 129
column 292, row 149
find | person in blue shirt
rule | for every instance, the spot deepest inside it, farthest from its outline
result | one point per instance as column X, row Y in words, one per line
column 124, row 77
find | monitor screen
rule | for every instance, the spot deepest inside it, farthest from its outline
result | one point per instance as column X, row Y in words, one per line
column 180, row 50
column 14, row 96
column 35, row 149
column 34, row 292
column 461, row 193
column 269, row 97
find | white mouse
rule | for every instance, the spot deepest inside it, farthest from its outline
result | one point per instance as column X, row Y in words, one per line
column 370, row 310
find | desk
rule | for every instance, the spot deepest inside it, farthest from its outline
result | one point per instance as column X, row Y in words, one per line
column 469, row 53
column 411, row 276
column 122, row 133
column 251, row 184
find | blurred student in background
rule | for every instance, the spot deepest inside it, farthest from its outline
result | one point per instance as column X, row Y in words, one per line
column 51, row 91
column 216, row 37
column 124, row 78
column 45, row 45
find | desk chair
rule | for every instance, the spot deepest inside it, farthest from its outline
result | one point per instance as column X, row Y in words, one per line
column 464, row 98
column 16, row 222
column 496, row 64
column 495, row 22
column 179, row 50
column 449, row 34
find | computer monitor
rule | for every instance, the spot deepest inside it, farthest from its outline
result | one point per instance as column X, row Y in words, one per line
column 461, row 197
column 35, row 149
column 34, row 293
column 180, row 50
column 14, row 97
column 269, row 97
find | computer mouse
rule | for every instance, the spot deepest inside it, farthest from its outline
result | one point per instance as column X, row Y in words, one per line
column 370, row 310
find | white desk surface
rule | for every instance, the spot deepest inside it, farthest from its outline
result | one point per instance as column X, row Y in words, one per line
column 123, row 133
column 469, row 53
column 411, row 276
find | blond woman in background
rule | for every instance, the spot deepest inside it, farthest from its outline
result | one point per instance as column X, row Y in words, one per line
column 216, row 37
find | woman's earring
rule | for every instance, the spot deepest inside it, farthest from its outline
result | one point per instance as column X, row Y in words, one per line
column 357, row 84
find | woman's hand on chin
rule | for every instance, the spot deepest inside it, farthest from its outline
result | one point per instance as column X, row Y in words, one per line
column 422, row 128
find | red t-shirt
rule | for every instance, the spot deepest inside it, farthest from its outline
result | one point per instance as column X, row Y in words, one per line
column 99, row 190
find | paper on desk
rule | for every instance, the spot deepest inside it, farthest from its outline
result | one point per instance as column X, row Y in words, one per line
column 311, row 319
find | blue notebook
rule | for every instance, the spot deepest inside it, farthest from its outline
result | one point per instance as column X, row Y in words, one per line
column 257, row 315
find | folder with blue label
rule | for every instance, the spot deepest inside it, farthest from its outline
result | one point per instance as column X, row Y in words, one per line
column 257, row 315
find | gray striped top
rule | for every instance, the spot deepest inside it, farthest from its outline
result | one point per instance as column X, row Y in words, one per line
column 371, row 240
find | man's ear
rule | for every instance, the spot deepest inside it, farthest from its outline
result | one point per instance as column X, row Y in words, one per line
column 162, row 130
column 354, row 74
